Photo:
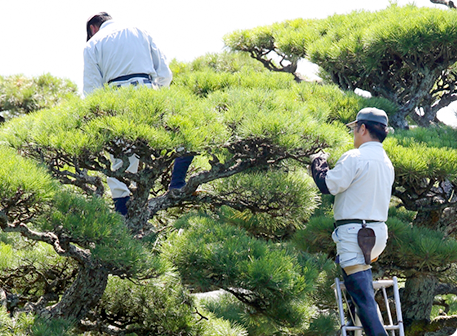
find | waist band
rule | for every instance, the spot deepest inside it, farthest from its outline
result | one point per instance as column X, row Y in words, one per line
column 127, row 77
column 353, row 221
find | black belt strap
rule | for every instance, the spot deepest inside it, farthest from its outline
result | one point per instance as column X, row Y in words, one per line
column 353, row 221
column 127, row 77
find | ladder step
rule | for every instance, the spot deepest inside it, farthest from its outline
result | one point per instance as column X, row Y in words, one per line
column 376, row 284
column 387, row 327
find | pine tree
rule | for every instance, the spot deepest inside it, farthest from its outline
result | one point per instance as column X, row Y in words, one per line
column 260, row 232
column 404, row 54
column 251, row 132
column 22, row 95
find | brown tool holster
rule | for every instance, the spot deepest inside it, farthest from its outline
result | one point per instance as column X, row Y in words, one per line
column 366, row 239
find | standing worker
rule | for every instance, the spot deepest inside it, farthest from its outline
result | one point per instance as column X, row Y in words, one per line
column 120, row 56
column 362, row 184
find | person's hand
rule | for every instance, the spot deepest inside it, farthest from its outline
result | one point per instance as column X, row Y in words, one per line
column 320, row 154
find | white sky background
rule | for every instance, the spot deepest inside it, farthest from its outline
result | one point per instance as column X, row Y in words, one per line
column 48, row 36
column 41, row 36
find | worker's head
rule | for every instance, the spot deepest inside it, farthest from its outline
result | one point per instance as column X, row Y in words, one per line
column 370, row 125
column 94, row 22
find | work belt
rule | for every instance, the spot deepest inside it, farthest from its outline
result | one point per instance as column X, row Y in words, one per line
column 127, row 77
column 353, row 221
column 366, row 237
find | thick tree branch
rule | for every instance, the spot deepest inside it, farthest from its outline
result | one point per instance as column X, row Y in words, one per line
column 431, row 195
column 252, row 153
column 445, row 288
column 448, row 3
column 66, row 250
column 260, row 55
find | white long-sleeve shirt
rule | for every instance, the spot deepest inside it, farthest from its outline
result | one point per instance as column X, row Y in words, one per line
column 117, row 50
column 362, row 183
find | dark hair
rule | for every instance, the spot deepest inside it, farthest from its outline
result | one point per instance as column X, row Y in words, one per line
column 96, row 20
column 377, row 130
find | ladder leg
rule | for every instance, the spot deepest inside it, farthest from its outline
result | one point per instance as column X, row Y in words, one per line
column 381, row 284
column 339, row 301
column 389, row 314
column 398, row 307
column 357, row 322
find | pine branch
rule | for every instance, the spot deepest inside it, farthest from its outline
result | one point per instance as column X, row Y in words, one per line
column 260, row 54
column 80, row 179
column 445, row 288
column 62, row 248
column 425, row 197
column 239, row 204
column 52, row 281
column 108, row 329
column 249, row 153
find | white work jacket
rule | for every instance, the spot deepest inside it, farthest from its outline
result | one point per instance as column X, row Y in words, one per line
column 118, row 50
column 362, row 183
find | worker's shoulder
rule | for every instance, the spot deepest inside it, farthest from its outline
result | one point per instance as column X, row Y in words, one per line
column 352, row 153
column 349, row 158
column 129, row 26
column 364, row 154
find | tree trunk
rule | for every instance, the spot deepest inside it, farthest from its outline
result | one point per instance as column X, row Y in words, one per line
column 428, row 118
column 398, row 120
column 84, row 293
column 417, row 298
column 429, row 219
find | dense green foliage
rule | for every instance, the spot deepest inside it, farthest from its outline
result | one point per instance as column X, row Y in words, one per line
column 257, row 237
column 222, row 256
column 158, row 306
column 404, row 54
column 22, row 95
column 258, row 116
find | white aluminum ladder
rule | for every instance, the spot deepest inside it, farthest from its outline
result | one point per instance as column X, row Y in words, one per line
column 380, row 284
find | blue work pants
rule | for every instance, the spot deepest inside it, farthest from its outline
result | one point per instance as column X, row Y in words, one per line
column 360, row 287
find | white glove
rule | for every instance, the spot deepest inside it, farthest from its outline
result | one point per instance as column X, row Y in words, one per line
column 321, row 154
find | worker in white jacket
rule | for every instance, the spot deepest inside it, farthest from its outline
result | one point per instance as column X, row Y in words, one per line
column 362, row 182
column 121, row 55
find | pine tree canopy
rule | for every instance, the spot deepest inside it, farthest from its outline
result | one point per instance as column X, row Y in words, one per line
column 404, row 54
column 22, row 95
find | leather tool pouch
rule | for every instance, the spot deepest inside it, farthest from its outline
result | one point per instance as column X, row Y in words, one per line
column 366, row 239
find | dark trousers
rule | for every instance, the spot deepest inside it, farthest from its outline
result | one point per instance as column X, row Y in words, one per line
column 178, row 176
column 360, row 287
column 120, row 205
